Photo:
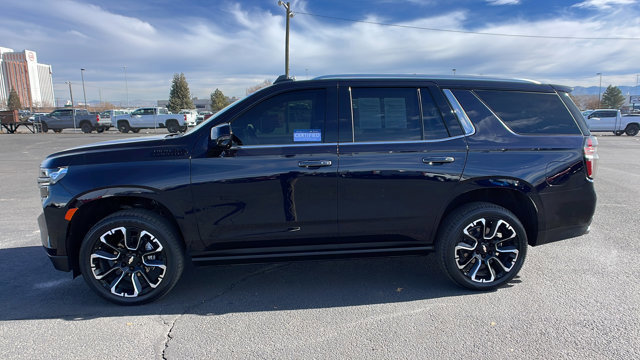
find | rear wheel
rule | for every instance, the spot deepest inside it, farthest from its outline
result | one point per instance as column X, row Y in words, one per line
column 135, row 130
column 99, row 130
column 123, row 127
column 132, row 257
column 173, row 126
column 57, row 131
column 44, row 127
column 481, row 246
column 619, row 132
column 631, row 130
column 86, row 127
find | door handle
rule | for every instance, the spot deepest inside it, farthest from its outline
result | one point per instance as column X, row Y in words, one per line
column 438, row 160
column 314, row 163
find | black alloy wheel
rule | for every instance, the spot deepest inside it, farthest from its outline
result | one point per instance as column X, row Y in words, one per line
column 86, row 127
column 132, row 257
column 123, row 127
column 632, row 130
column 481, row 246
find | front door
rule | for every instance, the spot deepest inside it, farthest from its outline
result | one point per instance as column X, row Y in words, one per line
column 277, row 184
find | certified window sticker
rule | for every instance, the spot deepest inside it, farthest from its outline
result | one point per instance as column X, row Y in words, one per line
column 307, row 135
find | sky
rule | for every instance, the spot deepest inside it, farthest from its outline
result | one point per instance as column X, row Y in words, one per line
column 232, row 45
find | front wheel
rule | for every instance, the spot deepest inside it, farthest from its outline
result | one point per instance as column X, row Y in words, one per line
column 172, row 126
column 631, row 130
column 132, row 257
column 481, row 246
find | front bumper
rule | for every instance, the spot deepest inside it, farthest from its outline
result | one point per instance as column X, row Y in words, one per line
column 60, row 262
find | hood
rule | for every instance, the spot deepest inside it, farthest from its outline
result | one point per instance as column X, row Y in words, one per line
column 122, row 150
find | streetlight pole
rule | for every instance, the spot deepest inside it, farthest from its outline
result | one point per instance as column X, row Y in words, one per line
column 84, row 92
column 73, row 112
column 126, row 84
column 454, row 72
column 287, row 6
column 600, row 91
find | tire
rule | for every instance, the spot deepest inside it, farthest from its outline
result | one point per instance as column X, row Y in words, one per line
column 618, row 133
column 631, row 130
column 57, row 131
column 173, row 126
column 123, row 127
column 135, row 130
column 100, row 130
column 128, row 273
column 494, row 259
column 44, row 127
column 86, row 127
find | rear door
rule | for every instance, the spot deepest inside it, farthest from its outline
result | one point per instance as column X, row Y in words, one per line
column 399, row 162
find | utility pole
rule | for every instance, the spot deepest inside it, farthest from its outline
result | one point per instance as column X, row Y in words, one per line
column 287, row 6
column 126, row 84
column 73, row 112
column 454, row 72
column 599, row 91
column 84, row 92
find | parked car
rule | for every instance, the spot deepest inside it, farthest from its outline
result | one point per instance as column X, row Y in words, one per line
column 190, row 116
column 150, row 118
column 66, row 118
column 475, row 170
column 610, row 120
column 107, row 115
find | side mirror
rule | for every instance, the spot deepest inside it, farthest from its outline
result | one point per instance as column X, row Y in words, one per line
column 221, row 136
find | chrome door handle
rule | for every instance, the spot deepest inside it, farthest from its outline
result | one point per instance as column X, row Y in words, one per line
column 314, row 163
column 438, row 160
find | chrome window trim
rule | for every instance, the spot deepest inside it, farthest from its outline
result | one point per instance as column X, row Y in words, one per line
column 466, row 123
column 236, row 147
column 402, row 141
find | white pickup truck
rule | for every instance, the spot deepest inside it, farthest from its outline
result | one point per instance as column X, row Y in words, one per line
column 191, row 116
column 150, row 118
column 610, row 120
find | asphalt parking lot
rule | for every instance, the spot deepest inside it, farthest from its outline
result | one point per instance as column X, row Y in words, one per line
column 576, row 299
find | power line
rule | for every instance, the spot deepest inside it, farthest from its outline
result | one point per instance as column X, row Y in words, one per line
column 469, row 32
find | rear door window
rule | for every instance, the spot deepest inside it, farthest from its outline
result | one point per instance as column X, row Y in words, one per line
column 385, row 114
column 530, row 113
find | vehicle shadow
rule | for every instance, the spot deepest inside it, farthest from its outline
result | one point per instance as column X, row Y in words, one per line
column 32, row 289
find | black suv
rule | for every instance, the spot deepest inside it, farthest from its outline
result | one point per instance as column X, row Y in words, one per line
column 473, row 169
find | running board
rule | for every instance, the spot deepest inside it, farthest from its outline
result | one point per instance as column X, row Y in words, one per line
column 305, row 255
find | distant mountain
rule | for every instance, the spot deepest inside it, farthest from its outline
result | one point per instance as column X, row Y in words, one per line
column 593, row 90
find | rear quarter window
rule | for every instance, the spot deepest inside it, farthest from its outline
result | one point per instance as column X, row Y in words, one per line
column 530, row 113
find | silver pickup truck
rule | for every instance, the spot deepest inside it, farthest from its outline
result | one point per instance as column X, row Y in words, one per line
column 69, row 119
column 610, row 120
column 150, row 118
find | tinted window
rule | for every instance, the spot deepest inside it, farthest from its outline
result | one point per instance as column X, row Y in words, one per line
column 530, row 113
column 290, row 118
column 477, row 112
column 431, row 117
column 390, row 114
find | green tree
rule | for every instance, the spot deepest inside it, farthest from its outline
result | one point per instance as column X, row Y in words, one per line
column 219, row 101
column 14, row 101
column 179, row 96
column 612, row 98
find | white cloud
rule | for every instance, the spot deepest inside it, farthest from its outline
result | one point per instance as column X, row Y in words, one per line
column 604, row 4
column 240, row 47
column 503, row 2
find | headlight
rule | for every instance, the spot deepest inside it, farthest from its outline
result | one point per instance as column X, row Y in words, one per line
column 49, row 177
column 52, row 176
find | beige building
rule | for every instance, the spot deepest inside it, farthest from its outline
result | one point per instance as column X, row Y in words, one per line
column 32, row 81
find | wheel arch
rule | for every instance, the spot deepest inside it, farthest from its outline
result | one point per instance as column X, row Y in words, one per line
column 513, row 200
column 89, row 213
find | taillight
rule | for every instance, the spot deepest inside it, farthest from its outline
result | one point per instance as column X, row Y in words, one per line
column 591, row 156
column 185, row 117
column 97, row 117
